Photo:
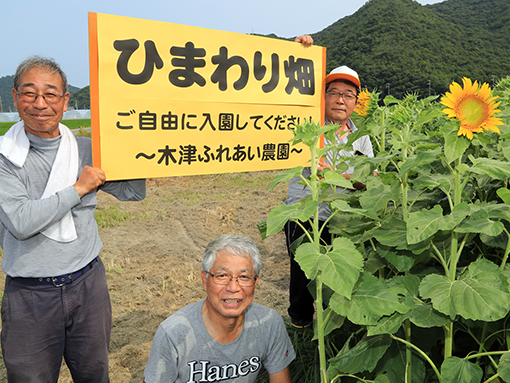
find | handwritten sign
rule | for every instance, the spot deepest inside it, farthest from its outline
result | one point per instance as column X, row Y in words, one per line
column 170, row 99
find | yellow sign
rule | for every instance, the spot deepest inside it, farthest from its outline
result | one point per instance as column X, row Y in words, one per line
column 169, row 99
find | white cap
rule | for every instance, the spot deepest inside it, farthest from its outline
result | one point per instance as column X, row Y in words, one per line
column 345, row 73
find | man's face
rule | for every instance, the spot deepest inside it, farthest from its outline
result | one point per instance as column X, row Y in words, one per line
column 229, row 301
column 339, row 110
column 41, row 119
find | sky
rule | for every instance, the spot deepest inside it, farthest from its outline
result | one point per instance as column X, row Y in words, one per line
column 59, row 29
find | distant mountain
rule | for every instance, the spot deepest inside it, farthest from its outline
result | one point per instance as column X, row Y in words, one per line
column 401, row 46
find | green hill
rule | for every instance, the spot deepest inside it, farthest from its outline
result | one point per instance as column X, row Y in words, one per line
column 401, row 46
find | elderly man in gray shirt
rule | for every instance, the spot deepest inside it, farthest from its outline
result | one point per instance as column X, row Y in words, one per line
column 56, row 302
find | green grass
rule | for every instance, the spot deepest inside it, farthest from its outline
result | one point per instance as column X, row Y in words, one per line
column 71, row 124
column 110, row 216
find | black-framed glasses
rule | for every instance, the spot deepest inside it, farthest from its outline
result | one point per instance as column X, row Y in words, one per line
column 49, row 97
column 224, row 279
column 345, row 96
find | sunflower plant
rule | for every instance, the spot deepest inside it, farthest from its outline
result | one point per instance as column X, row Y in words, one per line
column 417, row 269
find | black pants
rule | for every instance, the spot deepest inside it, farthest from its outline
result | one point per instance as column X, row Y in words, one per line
column 301, row 301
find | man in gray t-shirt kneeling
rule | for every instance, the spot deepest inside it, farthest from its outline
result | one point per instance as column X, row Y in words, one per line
column 224, row 337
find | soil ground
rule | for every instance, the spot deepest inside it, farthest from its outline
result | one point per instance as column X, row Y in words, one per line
column 153, row 251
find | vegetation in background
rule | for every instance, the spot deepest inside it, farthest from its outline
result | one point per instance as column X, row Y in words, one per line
column 71, row 124
column 417, row 269
column 401, row 46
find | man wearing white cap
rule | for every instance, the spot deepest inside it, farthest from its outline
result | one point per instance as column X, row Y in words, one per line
column 342, row 89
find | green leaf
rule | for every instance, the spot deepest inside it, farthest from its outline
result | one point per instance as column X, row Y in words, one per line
column 479, row 222
column 339, row 267
column 493, row 168
column 425, row 223
column 344, row 207
column 283, row 213
column 377, row 196
column 336, row 179
column 505, row 146
column 454, row 145
column 457, row 370
column 402, row 261
column 362, row 357
column 372, row 299
column 481, row 293
column 504, row 194
column 392, row 233
column 387, row 325
column 286, row 177
column 421, row 314
column 332, row 321
column 504, row 366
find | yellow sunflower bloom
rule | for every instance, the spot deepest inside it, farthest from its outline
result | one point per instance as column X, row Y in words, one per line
column 473, row 106
column 363, row 103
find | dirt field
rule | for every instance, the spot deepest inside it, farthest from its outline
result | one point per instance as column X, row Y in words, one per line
column 153, row 255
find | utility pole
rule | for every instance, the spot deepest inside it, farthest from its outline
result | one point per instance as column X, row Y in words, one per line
column 1, row 105
column 429, row 88
column 388, row 86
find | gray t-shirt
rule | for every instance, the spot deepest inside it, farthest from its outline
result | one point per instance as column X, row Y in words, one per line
column 184, row 352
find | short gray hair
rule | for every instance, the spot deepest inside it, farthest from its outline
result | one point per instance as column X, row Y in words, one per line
column 232, row 244
column 39, row 62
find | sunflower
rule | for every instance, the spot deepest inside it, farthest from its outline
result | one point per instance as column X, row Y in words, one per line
column 363, row 103
column 473, row 106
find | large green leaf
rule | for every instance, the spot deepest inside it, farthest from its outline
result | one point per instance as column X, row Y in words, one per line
column 392, row 233
column 377, row 195
column 393, row 365
column 362, row 357
column 431, row 182
column 372, row 299
column 286, row 177
column 344, row 207
column 387, row 325
column 504, row 366
column 283, row 213
column 481, row 293
column 403, row 261
column 493, row 168
column 336, row 179
column 425, row 223
column 339, row 267
column 457, row 370
column 454, row 145
column 504, row 194
column 479, row 222
column 421, row 314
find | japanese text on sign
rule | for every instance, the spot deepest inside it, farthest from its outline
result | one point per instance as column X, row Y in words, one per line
column 165, row 95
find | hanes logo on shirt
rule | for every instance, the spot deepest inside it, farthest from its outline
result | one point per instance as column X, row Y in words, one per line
column 206, row 373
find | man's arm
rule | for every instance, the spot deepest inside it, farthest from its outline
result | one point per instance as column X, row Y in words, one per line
column 281, row 377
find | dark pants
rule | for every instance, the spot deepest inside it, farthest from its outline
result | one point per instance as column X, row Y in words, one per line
column 42, row 324
column 301, row 307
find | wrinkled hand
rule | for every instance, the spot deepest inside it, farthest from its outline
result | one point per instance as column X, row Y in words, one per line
column 306, row 40
column 90, row 179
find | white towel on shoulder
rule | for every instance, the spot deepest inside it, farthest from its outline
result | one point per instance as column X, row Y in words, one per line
column 14, row 145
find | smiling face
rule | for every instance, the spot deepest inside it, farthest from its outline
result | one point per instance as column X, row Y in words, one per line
column 231, row 300
column 337, row 109
column 40, row 118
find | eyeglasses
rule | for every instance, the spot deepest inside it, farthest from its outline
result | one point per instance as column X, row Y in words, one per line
column 224, row 279
column 345, row 96
column 49, row 97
